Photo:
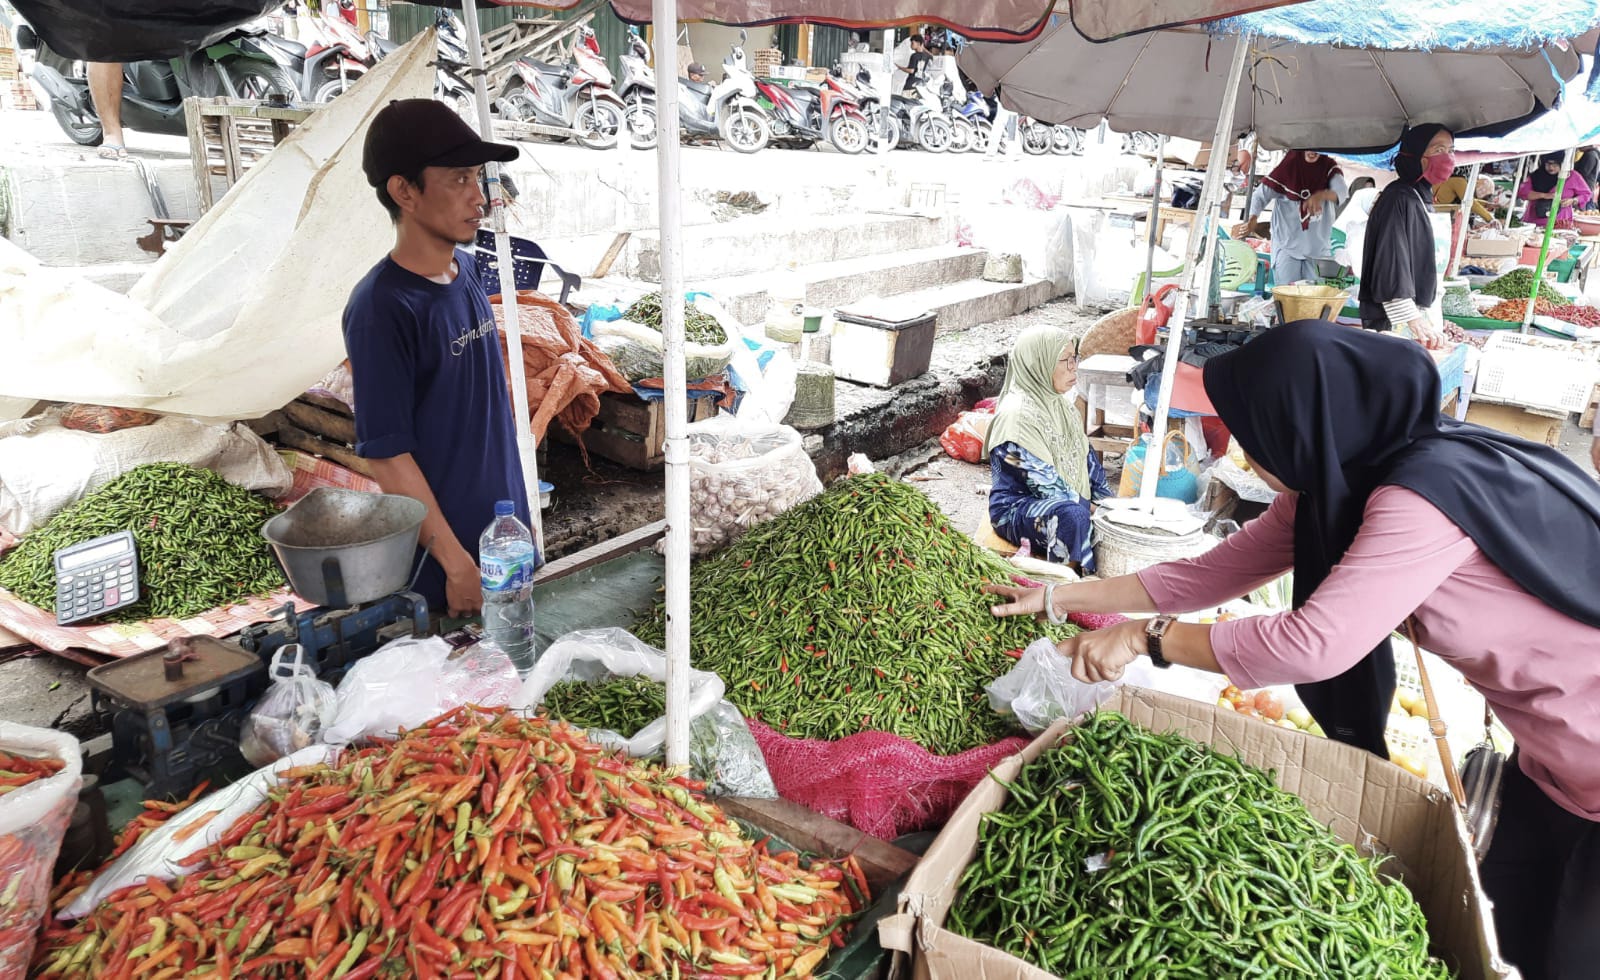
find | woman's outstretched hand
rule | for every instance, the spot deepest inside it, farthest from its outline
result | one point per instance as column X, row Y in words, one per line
column 1019, row 601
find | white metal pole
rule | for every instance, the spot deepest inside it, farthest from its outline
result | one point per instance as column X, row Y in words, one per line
column 885, row 87
column 1155, row 220
column 527, row 448
column 665, row 13
column 1516, row 182
column 1467, row 200
column 1196, row 269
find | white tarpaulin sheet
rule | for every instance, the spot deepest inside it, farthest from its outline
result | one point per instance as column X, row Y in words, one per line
column 242, row 314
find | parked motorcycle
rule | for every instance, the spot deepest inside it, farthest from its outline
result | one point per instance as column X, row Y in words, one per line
column 964, row 132
column 923, row 119
column 802, row 115
column 241, row 65
column 1139, row 142
column 883, row 128
column 321, row 69
column 728, row 110
column 575, row 97
column 355, row 54
column 451, row 86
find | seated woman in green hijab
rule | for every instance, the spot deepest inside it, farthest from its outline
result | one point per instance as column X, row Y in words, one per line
column 1045, row 475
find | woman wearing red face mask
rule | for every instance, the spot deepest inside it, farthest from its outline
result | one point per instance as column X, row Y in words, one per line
column 1399, row 275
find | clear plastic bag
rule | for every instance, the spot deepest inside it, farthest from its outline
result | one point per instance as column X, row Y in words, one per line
column 293, row 712
column 722, row 750
column 639, row 351
column 33, row 820
column 411, row 680
column 742, row 473
column 1040, row 689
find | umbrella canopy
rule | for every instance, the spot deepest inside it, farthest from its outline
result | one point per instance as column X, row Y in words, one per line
column 1107, row 20
column 1299, row 92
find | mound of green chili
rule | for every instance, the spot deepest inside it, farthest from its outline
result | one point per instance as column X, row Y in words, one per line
column 698, row 327
column 1122, row 853
column 198, row 536
column 622, row 705
column 858, row 610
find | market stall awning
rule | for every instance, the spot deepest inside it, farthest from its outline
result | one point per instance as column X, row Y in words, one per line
column 1107, row 20
column 1383, row 74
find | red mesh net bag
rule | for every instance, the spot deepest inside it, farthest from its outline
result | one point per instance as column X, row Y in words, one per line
column 878, row 783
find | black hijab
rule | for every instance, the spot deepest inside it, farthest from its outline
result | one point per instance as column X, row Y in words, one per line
column 1397, row 254
column 1336, row 413
column 1543, row 180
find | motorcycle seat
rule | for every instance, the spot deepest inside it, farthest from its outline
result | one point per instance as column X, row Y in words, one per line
column 294, row 48
column 384, row 46
column 699, row 88
column 545, row 67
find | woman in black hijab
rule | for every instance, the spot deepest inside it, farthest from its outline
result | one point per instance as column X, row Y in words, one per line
column 1386, row 510
column 1540, row 192
column 1399, row 275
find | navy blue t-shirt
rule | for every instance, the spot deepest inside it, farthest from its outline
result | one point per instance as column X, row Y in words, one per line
column 430, row 381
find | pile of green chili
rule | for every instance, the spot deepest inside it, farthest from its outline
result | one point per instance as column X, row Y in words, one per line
column 622, row 705
column 1122, row 853
column 698, row 327
column 858, row 610
column 199, row 542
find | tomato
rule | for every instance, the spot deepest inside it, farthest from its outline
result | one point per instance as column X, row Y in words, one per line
column 1249, row 712
column 1270, row 706
column 1233, row 695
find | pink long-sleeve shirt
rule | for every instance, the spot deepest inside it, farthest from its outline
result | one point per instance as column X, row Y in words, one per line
column 1538, row 668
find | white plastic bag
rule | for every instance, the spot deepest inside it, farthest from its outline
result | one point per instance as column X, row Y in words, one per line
column 742, row 473
column 33, row 820
column 722, row 750
column 160, row 853
column 411, row 680
column 1040, row 689
column 293, row 712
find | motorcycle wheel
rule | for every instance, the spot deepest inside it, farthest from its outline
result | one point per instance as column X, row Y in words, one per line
column 1036, row 139
column 849, row 135
column 745, row 129
column 935, row 134
column 259, row 81
column 883, row 130
column 599, row 123
column 640, row 115
column 1065, row 141
column 963, row 136
column 985, row 130
column 82, row 128
column 331, row 89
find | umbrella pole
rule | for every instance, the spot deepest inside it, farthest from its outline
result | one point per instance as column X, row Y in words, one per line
column 1544, row 249
column 1516, row 182
column 1202, row 241
column 665, row 15
column 1154, row 219
column 527, row 447
column 1467, row 201
column 1250, row 178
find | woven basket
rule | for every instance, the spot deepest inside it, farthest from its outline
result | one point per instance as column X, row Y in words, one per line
column 813, row 397
column 1112, row 334
column 1123, row 550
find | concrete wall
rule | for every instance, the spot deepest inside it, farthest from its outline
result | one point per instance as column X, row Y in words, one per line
column 710, row 43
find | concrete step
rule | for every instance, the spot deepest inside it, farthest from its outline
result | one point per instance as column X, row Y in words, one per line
column 974, row 301
column 83, row 211
column 761, row 244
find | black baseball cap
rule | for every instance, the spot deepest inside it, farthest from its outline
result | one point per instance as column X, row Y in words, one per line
column 410, row 134
column 695, row 68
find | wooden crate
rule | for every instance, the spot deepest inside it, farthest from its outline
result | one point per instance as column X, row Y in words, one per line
column 18, row 94
column 632, row 431
column 767, row 59
column 229, row 136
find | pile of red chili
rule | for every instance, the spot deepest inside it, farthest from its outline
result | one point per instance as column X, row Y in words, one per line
column 480, row 845
column 17, row 771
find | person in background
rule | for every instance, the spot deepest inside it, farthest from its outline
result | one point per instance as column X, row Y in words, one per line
column 1045, row 476
column 916, row 67
column 291, row 20
column 696, row 72
column 1540, row 191
column 1386, row 511
column 433, row 414
column 1454, row 191
column 1304, row 190
column 859, row 43
column 105, row 91
column 1588, row 164
column 1400, row 272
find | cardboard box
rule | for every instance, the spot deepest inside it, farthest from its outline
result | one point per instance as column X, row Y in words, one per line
column 1363, row 798
column 1517, row 421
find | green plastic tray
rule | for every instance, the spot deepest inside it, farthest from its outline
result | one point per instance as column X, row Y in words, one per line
column 1482, row 323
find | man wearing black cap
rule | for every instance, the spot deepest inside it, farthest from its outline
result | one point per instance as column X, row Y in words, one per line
column 432, row 411
column 696, row 72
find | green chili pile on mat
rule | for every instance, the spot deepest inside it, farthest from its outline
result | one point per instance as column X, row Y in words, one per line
column 858, row 610
column 1517, row 283
column 199, row 541
column 1122, row 853
column 622, row 705
column 698, row 327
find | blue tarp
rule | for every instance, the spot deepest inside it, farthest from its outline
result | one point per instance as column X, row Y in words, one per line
column 1423, row 24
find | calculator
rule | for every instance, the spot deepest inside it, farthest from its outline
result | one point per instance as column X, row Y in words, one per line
column 96, row 577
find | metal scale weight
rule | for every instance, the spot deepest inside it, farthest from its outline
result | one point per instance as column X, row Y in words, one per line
column 175, row 713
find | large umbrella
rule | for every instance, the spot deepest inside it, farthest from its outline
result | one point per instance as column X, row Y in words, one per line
column 1297, row 93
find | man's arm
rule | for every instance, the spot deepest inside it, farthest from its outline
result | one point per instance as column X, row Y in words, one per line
column 463, row 587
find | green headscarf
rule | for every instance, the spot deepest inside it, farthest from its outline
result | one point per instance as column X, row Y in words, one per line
column 1034, row 415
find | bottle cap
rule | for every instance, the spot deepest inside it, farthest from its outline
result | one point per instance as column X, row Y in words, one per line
column 504, row 508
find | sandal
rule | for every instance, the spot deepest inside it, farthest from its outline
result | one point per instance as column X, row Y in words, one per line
column 112, row 151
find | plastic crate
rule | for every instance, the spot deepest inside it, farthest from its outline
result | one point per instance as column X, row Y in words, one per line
column 1537, row 371
column 1452, row 370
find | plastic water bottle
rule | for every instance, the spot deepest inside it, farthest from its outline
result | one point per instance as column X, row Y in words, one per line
column 507, row 559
